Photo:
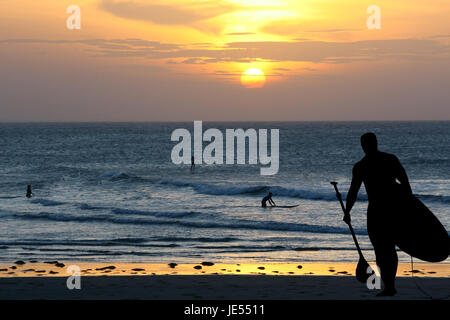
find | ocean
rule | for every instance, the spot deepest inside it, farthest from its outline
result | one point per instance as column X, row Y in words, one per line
column 110, row 192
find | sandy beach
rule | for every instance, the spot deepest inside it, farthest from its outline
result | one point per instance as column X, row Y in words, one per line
column 206, row 280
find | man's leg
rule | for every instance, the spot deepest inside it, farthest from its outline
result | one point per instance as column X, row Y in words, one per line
column 387, row 261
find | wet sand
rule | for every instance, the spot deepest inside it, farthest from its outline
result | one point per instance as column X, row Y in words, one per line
column 206, row 280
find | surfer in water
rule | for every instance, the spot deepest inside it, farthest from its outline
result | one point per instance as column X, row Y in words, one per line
column 266, row 199
column 192, row 164
column 379, row 172
column 29, row 192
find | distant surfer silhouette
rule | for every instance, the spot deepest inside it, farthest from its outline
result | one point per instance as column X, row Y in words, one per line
column 380, row 172
column 192, row 164
column 266, row 199
column 29, row 192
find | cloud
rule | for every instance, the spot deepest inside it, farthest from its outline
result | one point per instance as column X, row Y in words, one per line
column 295, row 51
column 330, row 51
column 193, row 61
column 166, row 14
column 332, row 30
column 294, row 26
column 282, row 69
column 240, row 33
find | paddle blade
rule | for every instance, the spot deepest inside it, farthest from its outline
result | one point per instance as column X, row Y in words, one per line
column 362, row 270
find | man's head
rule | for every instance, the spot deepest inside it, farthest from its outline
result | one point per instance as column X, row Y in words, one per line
column 369, row 143
column 270, row 194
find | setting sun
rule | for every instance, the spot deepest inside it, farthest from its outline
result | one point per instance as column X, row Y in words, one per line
column 253, row 78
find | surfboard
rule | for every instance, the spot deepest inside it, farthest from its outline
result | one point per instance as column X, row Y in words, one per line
column 286, row 206
column 419, row 233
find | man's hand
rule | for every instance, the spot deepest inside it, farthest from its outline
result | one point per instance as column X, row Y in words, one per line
column 347, row 219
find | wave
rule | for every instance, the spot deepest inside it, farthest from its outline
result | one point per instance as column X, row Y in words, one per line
column 215, row 189
column 48, row 203
column 196, row 239
column 309, row 194
column 230, row 224
column 85, row 206
column 434, row 198
column 115, row 175
column 135, row 242
column 155, row 213
column 250, row 248
column 211, row 189
column 123, row 176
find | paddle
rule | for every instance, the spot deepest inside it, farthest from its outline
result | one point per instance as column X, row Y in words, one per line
column 362, row 273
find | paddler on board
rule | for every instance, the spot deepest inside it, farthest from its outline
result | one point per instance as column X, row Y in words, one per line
column 266, row 199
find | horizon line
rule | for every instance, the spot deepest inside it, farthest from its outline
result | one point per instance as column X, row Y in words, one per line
column 220, row 121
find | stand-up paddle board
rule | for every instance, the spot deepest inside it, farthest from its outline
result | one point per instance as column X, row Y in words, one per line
column 418, row 232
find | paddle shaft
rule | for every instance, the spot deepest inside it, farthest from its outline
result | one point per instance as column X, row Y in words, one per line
column 338, row 195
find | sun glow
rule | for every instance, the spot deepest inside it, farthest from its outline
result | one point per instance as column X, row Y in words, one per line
column 253, row 78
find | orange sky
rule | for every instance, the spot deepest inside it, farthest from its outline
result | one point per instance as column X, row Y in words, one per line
column 176, row 60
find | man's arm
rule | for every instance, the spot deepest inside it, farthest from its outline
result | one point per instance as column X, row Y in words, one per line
column 403, row 177
column 272, row 202
column 352, row 193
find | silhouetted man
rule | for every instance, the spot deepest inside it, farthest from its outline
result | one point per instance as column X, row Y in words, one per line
column 379, row 172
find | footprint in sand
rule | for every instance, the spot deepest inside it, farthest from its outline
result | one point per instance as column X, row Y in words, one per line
column 106, row 268
column 198, row 267
column 261, row 268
